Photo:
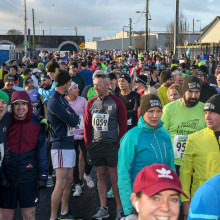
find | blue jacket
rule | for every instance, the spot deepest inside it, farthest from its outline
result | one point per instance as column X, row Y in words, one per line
column 139, row 147
column 87, row 75
column 63, row 119
column 47, row 93
column 206, row 200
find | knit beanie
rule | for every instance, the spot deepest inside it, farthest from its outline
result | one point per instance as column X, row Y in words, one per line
column 4, row 96
column 51, row 66
column 8, row 77
column 61, row 77
column 126, row 77
column 213, row 104
column 142, row 78
column 27, row 80
column 191, row 82
column 165, row 75
column 149, row 101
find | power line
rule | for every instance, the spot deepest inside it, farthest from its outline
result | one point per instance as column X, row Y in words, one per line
column 140, row 16
column 11, row 5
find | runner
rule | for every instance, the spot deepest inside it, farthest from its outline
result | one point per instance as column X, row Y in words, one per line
column 63, row 119
column 105, row 124
column 201, row 159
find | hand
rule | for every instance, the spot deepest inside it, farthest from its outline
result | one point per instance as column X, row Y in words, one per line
column 4, row 182
column 41, row 184
column 47, row 127
column 186, row 208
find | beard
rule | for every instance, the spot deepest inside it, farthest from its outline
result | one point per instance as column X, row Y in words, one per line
column 190, row 102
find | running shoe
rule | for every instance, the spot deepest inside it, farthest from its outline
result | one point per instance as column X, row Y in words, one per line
column 102, row 213
column 110, row 194
column 77, row 191
column 88, row 180
column 50, row 182
column 120, row 213
column 69, row 216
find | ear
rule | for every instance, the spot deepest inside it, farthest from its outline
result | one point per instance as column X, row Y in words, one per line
column 134, row 199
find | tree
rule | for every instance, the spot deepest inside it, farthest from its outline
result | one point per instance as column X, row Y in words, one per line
column 14, row 32
column 170, row 29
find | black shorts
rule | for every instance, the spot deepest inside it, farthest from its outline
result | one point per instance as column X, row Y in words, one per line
column 102, row 154
column 26, row 193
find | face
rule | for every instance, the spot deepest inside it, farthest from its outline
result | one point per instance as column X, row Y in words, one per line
column 3, row 108
column 139, row 85
column 9, row 84
column 179, row 80
column 211, row 58
column 173, row 95
column 123, row 84
column 73, row 71
column 3, row 67
column 163, row 205
column 30, row 85
column 212, row 120
column 141, row 64
column 191, row 97
column 13, row 71
column 113, row 83
column 168, row 83
column 152, row 117
column 74, row 91
column 218, row 80
column 101, row 88
column 41, row 68
column 201, row 77
column 45, row 82
column 20, row 109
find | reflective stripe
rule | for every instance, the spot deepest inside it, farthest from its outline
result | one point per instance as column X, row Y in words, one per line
column 203, row 216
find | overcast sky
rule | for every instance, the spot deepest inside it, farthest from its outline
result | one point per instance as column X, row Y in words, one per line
column 97, row 18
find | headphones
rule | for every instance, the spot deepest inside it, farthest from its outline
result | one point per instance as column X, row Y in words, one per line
column 136, row 206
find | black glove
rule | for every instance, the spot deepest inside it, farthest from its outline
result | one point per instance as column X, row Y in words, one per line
column 4, row 183
column 47, row 127
column 41, row 184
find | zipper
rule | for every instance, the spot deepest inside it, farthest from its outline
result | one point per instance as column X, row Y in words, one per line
column 165, row 149
column 19, row 148
column 154, row 150
column 159, row 147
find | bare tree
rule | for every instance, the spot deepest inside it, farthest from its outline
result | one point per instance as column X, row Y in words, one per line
column 14, row 32
column 170, row 30
column 139, row 42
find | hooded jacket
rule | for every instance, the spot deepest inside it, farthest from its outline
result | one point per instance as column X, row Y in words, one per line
column 25, row 157
column 139, row 147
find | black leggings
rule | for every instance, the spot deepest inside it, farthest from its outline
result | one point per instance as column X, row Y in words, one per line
column 88, row 167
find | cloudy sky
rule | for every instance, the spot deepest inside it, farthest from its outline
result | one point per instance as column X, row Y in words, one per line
column 97, row 18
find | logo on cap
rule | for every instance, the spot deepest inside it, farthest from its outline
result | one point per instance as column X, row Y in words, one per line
column 193, row 85
column 209, row 106
column 163, row 173
column 155, row 103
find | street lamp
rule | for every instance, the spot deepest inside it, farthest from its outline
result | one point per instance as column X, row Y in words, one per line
column 200, row 24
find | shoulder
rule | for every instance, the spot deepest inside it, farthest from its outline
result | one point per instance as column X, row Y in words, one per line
column 117, row 100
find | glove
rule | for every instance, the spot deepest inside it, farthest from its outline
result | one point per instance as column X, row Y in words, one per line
column 41, row 184
column 47, row 127
column 4, row 183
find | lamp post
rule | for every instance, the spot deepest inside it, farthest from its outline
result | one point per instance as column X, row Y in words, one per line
column 123, row 29
column 200, row 24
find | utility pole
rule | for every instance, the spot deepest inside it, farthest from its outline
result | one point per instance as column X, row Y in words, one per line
column 41, row 22
column 146, row 26
column 25, row 28
column 130, row 43
column 33, row 29
column 123, row 29
column 193, row 26
column 176, row 28
column 76, row 31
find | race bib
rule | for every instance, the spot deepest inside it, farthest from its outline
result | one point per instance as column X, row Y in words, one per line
column 129, row 121
column 100, row 121
column 70, row 131
column 80, row 125
column 179, row 145
column 1, row 153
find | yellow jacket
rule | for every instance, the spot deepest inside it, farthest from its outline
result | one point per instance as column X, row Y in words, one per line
column 201, row 160
column 162, row 94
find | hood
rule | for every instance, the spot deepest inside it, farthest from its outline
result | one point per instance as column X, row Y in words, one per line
column 22, row 95
column 142, row 125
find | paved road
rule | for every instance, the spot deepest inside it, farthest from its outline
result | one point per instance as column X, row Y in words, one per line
column 85, row 205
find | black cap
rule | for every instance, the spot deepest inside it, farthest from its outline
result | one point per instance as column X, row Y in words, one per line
column 213, row 104
column 61, row 77
column 125, row 76
column 142, row 78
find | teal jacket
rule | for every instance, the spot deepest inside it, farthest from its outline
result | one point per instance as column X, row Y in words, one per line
column 140, row 147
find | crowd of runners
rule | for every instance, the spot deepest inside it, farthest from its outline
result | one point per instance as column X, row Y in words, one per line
column 145, row 119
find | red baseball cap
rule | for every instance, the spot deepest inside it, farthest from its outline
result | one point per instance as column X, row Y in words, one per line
column 156, row 178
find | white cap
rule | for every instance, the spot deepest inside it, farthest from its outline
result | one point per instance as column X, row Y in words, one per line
column 36, row 70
